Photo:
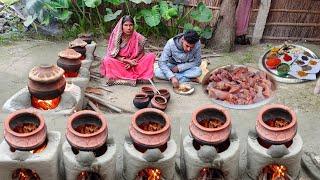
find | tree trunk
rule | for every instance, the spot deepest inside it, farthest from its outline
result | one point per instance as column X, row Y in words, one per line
column 224, row 35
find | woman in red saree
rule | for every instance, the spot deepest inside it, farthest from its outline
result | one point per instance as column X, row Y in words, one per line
column 125, row 61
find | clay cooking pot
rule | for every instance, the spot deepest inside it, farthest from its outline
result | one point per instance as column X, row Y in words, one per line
column 141, row 100
column 87, row 141
column 150, row 139
column 29, row 140
column 46, row 82
column 206, row 135
column 276, row 135
column 159, row 102
column 69, row 60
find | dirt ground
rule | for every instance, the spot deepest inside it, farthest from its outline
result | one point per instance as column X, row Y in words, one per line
column 17, row 59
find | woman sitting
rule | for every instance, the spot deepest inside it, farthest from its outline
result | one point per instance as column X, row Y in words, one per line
column 125, row 61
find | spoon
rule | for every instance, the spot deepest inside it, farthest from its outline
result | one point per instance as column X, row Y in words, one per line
column 158, row 92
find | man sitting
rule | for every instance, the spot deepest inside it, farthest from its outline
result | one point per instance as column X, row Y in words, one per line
column 180, row 59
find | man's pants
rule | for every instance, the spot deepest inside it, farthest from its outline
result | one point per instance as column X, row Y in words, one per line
column 184, row 76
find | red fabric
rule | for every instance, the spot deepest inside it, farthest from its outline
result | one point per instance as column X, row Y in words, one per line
column 243, row 16
column 115, row 69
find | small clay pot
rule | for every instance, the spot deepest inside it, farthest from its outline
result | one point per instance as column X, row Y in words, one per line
column 69, row 61
column 141, row 100
column 211, row 136
column 87, row 141
column 165, row 93
column 87, row 37
column 25, row 141
column 276, row 135
column 46, row 82
column 159, row 102
column 150, row 139
column 148, row 90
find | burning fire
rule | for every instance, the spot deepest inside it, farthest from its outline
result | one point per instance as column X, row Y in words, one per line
column 40, row 148
column 210, row 173
column 70, row 74
column 275, row 172
column 149, row 174
column 85, row 175
column 45, row 104
column 25, row 174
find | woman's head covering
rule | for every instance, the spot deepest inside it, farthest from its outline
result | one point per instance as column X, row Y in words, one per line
column 115, row 37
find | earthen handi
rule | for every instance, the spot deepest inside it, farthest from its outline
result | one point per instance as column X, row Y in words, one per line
column 238, row 85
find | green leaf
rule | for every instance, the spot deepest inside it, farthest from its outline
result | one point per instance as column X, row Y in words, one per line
column 92, row 3
column 110, row 15
column 29, row 20
column 202, row 13
column 163, row 7
column 46, row 21
column 206, row 33
column 197, row 29
column 187, row 26
column 8, row 2
column 114, row 2
column 152, row 17
column 34, row 6
column 139, row 1
column 64, row 16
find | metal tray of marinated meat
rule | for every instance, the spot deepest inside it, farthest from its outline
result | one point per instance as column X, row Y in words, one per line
column 288, row 78
column 206, row 81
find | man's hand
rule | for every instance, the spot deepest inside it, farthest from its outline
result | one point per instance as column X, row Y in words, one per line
column 175, row 82
column 175, row 69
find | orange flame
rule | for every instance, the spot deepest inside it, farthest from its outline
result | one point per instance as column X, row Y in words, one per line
column 149, row 174
column 25, row 174
column 40, row 148
column 275, row 172
column 45, row 104
column 70, row 74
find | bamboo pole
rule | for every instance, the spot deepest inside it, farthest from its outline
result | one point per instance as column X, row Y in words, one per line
column 261, row 21
column 290, row 24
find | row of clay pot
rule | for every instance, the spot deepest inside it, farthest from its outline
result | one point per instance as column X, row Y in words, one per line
column 151, row 139
column 148, row 96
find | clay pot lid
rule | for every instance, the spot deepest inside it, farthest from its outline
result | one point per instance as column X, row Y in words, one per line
column 277, row 106
column 69, row 54
column 77, row 43
column 46, row 73
column 206, row 107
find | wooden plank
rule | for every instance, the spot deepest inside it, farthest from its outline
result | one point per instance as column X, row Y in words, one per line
column 290, row 11
column 261, row 21
column 290, row 24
